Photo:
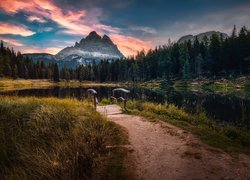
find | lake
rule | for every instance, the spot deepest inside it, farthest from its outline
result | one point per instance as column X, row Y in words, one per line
column 223, row 108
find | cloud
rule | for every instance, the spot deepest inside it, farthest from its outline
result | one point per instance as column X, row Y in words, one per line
column 48, row 29
column 11, row 42
column 7, row 28
column 34, row 49
column 45, row 29
column 143, row 29
column 109, row 29
column 35, row 18
column 75, row 22
column 130, row 45
column 213, row 21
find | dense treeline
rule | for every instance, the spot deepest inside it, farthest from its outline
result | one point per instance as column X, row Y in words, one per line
column 212, row 57
column 209, row 58
column 15, row 65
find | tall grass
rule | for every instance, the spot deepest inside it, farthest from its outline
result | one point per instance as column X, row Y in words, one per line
column 226, row 137
column 50, row 138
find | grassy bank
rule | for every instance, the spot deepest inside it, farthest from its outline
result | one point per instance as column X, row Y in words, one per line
column 49, row 138
column 238, row 85
column 10, row 84
column 228, row 138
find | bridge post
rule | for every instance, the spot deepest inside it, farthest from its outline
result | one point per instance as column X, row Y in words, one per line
column 92, row 92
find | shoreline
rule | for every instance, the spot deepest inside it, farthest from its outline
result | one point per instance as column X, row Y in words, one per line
column 20, row 84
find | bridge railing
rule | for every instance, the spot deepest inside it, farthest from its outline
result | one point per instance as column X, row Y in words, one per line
column 123, row 95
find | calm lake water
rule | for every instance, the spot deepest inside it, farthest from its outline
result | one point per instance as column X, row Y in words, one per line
column 224, row 108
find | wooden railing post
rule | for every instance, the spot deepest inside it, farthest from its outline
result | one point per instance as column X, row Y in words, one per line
column 92, row 92
column 124, row 98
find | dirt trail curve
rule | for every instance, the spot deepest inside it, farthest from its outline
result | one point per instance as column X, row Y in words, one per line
column 162, row 151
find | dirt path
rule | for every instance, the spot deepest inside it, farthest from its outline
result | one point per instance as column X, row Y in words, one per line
column 162, row 151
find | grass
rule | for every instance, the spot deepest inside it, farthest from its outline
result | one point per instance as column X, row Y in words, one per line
column 48, row 138
column 17, row 84
column 74, row 83
column 228, row 138
column 239, row 86
column 9, row 84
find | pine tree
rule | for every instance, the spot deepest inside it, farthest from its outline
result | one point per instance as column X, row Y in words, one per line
column 56, row 73
column 186, row 70
column 26, row 72
column 1, row 66
column 215, row 50
column 198, row 65
column 14, row 72
column 1, row 48
column 184, row 61
column 234, row 32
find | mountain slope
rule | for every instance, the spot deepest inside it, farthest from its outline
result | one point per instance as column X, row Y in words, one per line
column 201, row 36
column 45, row 57
column 93, row 47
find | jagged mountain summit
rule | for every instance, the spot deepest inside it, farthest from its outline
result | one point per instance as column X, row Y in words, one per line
column 93, row 47
column 201, row 36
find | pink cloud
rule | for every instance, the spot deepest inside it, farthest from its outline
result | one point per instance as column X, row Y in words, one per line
column 7, row 28
column 35, row 18
column 110, row 29
column 51, row 50
column 14, row 6
column 77, row 22
column 130, row 45
column 11, row 41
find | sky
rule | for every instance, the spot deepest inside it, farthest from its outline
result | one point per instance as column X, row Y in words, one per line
column 33, row 26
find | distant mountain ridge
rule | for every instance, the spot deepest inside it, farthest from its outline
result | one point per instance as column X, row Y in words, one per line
column 201, row 36
column 93, row 47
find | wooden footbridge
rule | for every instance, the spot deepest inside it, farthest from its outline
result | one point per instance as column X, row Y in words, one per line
column 118, row 94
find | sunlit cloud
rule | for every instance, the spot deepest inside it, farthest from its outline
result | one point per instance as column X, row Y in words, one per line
column 107, row 28
column 37, row 19
column 44, row 29
column 50, row 50
column 130, row 45
column 143, row 29
column 74, row 22
column 11, row 42
column 7, row 28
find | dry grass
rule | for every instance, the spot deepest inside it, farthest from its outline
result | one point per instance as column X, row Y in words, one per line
column 50, row 138
column 9, row 84
column 17, row 84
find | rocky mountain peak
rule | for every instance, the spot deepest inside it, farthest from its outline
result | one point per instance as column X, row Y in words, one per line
column 93, row 47
column 106, row 39
column 93, row 36
column 201, row 36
